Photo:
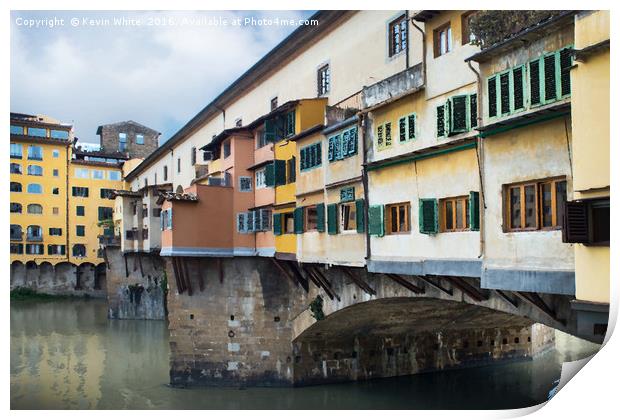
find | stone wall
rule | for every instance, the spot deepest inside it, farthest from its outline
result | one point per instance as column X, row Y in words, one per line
column 109, row 139
column 135, row 285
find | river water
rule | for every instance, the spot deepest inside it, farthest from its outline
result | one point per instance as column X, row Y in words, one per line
column 68, row 355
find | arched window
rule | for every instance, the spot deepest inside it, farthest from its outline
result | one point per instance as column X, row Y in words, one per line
column 16, row 187
column 34, row 233
column 35, row 209
column 35, row 170
column 16, row 233
column 78, row 250
column 16, row 168
column 35, row 152
column 35, row 189
column 16, row 208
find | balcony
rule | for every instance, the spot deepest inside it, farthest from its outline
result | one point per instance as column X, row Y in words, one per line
column 109, row 240
column 34, row 238
column 405, row 82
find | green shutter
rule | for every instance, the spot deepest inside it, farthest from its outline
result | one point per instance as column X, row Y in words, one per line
column 458, row 116
column 270, row 130
column 320, row 217
column 411, row 127
column 353, row 140
column 566, row 61
column 376, row 225
column 535, row 82
column 270, row 177
column 277, row 224
column 428, row 219
column 359, row 215
column 492, row 96
column 504, row 93
column 330, row 149
column 473, row 110
column 332, row 219
column 280, row 172
column 447, row 117
column 440, row 121
column 550, row 82
column 474, row 210
column 298, row 218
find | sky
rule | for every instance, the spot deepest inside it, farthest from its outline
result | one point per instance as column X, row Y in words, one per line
column 157, row 68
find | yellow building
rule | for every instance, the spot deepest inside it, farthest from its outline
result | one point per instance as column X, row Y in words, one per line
column 587, row 217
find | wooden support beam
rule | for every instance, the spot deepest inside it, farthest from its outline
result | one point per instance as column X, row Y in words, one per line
column 177, row 276
column 284, row 271
column 140, row 263
column 105, row 257
column 319, row 282
column 201, row 278
column 300, row 278
column 437, row 285
column 312, row 277
column 220, row 270
column 126, row 266
column 504, row 296
column 187, row 277
column 467, row 288
column 325, row 281
column 358, row 281
column 537, row 301
column 406, row 284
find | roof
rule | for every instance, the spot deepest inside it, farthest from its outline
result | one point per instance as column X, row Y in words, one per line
column 525, row 36
column 96, row 163
column 274, row 58
column 426, row 15
column 172, row 196
column 131, row 122
column 125, row 193
column 307, row 132
column 100, row 153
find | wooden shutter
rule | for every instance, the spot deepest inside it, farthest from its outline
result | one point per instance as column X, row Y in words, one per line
column 302, row 159
column 280, row 172
column 292, row 170
column 345, row 144
column 535, row 82
column 575, row 226
column 298, row 219
column 550, row 78
column 492, row 93
column 447, row 121
column 270, row 177
column 440, row 121
column 402, row 129
column 330, row 149
column 388, row 134
column 376, row 224
column 428, row 213
column 473, row 110
column 337, row 147
column 359, row 215
column 270, row 130
column 458, row 117
column 517, row 88
column 411, row 127
column 290, row 123
column 504, row 93
column 332, row 219
column 566, row 61
column 320, row 217
column 319, row 153
column 353, row 141
column 474, row 210
column 277, row 224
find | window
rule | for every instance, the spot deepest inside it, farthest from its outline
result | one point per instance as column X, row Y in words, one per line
column 587, row 222
column 226, row 149
column 55, row 153
column 139, row 138
column 97, row 174
column 145, row 211
column 406, row 128
column 343, row 144
column 55, row 211
column 291, row 170
column 105, row 213
column 273, row 103
column 59, row 134
column 165, row 173
column 16, row 233
column 35, row 153
column 245, row 183
column 467, row 37
column 16, row 151
column 193, row 156
column 238, row 122
column 114, row 175
column 17, row 129
column 55, row 173
column 78, row 250
column 398, row 218
column 16, row 208
column 37, row 132
column 106, row 193
column 79, row 191
column 55, row 190
column 166, row 219
column 454, row 214
column 311, row 218
column 56, row 250
column 348, row 217
column 323, row 80
column 82, row 173
column 156, row 212
column 55, row 231
column 17, row 248
column 35, row 170
column 260, row 178
column 80, row 230
column 16, row 187
column 398, row 35
column 34, row 249
column 458, row 115
column 35, row 189
column 310, row 156
column 122, row 142
column 178, row 165
column 79, row 210
column 16, row 168
column 442, row 40
column 288, row 222
column 384, row 136
column 534, row 205
column 34, row 233
column 35, row 209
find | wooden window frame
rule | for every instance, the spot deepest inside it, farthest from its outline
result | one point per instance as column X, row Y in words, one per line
column 341, row 214
column 538, row 203
column 397, row 23
column 465, row 27
column 442, row 214
column 309, row 227
column 285, row 217
column 388, row 218
column 323, row 88
column 437, row 40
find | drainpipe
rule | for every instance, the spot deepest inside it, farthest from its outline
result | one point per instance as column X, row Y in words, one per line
column 407, row 49
column 69, row 151
column 423, row 49
column 480, row 156
column 364, row 124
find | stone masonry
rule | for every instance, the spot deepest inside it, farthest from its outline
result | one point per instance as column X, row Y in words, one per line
column 109, row 138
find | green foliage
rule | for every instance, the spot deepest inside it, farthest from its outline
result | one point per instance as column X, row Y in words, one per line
column 492, row 26
column 108, row 223
column 21, row 294
column 316, row 307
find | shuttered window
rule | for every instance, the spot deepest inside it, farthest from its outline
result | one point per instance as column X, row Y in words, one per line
column 270, row 175
column 298, row 215
column 359, row 213
column 441, row 129
column 381, row 137
column 535, row 83
column 587, row 222
column 566, row 61
column 550, row 78
column 474, row 210
column 473, row 110
column 459, row 115
column 332, row 219
column 320, row 217
column 277, row 224
column 376, row 225
column 280, row 172
column 504, row 93
column 492, row 93
column 517, row 83
column 310, row 156
column 428, row 218
column 406, row 128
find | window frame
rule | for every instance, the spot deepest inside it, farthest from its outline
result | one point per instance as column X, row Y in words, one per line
column 437, row 39
column 402, row 44
column 260, row 174
column 388, row 218
column 308, row 225
column 247, row 178
column 537, row 184
column 341, row 216
column 442, row 214
column 323, row 78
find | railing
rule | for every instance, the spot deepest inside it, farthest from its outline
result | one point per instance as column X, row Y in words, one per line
column 34, row 238
column 225, row 181
column 109, row 240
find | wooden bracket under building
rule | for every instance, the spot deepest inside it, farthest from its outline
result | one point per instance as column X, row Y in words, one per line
column 513, row 302
column 537, row 301
column 201, row 279
column 126, row 266
column 406, row 284
column 467, row 288
column 437, row 285
column 186, row 276
column 140, row 264
column 358, row 281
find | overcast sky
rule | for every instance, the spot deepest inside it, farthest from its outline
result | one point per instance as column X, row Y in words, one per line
column 160, row 73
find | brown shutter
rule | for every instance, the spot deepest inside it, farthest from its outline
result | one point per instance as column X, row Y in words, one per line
column 575, row 227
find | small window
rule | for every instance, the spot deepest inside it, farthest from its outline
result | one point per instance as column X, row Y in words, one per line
column 193, row 157
column 34, row 233
column 16, row 151
column 56, row 249
column 35, row 153
column 291, row 169
column 165, row 173
column 260, row 178
column 79, row 210
column 106, row 193
column 55, row 153
column 179, row 165
column 534, row 205
column 114, row 175
column 16, row 208
column 16, row 168
column 35, row 189
column 17, row 129
column 55, row 173
column 55, row 231
column 226, row 149
column 37, row 132
column 467, row 37
column 79, row 191
column 34, row 249
column 59, row 134
column 245, row 183
column 454, row 214
column 35, row 170
column 311, row 218
column 398, row 35
column 289, row 223
column 239, row 122
column 310, row 156
column 80, row 230
column 139, row 138
column 97, row 174
column 82, row 173
column 78, row 250
column 17, row 248
column 56, row 191
column 16, row 187
column 348, row 219
column 35, row 209
column 55, row 211
column 16, row 232
column 323, row 80
column 274, row 103
column 442, row 40
column 406, row 128
column 106, row 213
column 398, row 217
column 122, row 142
